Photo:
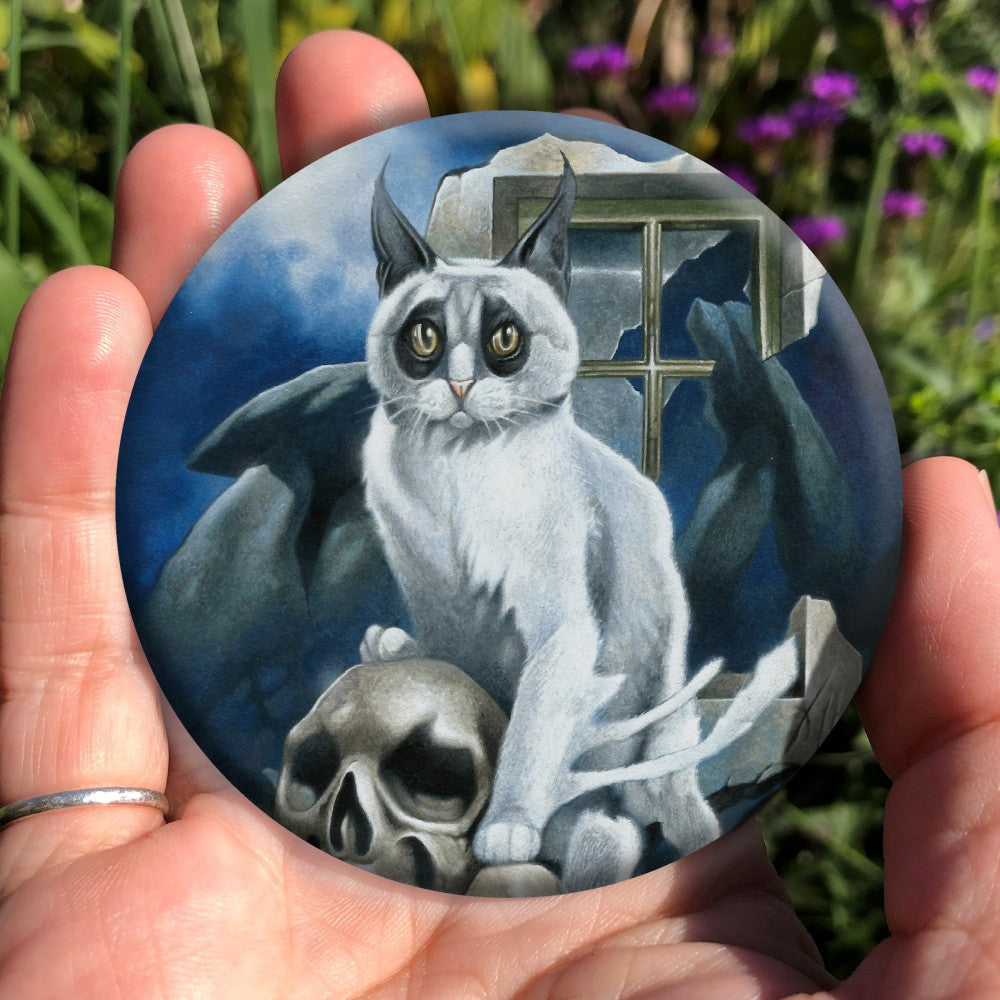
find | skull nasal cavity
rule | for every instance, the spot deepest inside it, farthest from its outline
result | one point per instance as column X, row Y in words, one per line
column 350, row 828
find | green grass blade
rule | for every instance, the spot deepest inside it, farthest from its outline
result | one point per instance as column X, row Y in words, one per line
column 12, row 188
column 47, row 203
column 188, row 59
column 881, row 179
column 982, row 278
column 37, row 41
column 123, row 89
column 941, row 234
column 165, row 47
column 14, row 292
column 525, row 75
column 257, row 21
column 453, row 43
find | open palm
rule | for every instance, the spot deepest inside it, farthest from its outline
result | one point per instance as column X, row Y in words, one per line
column 219, row 900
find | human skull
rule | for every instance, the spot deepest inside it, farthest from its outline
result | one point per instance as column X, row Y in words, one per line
column 391, row 769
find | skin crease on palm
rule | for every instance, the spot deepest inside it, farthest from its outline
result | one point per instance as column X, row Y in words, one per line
column 219, row 901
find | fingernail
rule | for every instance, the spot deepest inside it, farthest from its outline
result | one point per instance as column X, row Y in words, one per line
column 984, row 481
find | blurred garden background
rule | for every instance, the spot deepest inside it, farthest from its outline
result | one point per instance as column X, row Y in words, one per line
column 871, row 126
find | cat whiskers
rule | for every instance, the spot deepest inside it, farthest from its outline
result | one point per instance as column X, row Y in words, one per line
column 513, row 414
column 486, row 425
column 422, row 420
column 534, row 404
column 389, row 401
column 396, row 411
column 370, row 408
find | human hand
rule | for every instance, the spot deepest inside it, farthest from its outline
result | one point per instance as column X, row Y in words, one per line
column 221, row 901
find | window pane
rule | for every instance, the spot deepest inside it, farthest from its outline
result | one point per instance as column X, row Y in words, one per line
column 711, row 265
column 605, row 292
column 680, row 255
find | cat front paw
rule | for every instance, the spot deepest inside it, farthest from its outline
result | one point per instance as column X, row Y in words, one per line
column 510, row 839
column 381, row 645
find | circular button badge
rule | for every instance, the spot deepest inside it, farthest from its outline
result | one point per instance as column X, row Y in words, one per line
column 509, row 504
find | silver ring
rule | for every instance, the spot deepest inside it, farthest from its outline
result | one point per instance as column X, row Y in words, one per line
column 108, row 796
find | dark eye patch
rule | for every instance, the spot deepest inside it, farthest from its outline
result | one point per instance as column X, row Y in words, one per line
column 430, row 313
column 496, row 313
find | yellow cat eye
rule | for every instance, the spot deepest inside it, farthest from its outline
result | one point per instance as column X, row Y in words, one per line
column 424, row 339
column 505, row 342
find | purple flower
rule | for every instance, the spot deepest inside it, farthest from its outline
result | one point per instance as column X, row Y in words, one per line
column 678, row 100
column 983, row 79
column 985, row 330
column 903, row 205
column 833, row 87
column 600, row 60
column 813, row 115
column 930, row 144
column 767, row 130
column 741, row 175
column 716, row 45
column 908, row 13
column 818, row 231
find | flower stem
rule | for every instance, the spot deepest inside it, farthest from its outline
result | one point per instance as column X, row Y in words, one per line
column 945, row 212
column 165, row 47
column 257, row 20
column 188, row 59
column 984, row 225
column 873, row 216
column 12, row 186
column 123, row 89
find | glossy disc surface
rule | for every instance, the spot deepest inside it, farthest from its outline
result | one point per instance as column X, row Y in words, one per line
column 509, row 504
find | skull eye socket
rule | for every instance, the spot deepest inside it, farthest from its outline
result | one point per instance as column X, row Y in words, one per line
column 312, row 769
column 433, row 782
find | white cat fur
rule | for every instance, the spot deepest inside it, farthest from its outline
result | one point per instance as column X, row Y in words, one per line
column 495, row 514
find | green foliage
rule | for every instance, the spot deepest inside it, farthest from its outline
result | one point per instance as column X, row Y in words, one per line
column 84, row 80
column 257, row 24
column 759, row 35
column 824, row 834
column 14, row 291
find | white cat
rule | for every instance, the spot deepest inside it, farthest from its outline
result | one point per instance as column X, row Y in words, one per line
column 530, row 554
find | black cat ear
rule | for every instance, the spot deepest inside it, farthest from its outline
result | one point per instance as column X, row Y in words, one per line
column 400, row 249
column 544, row 248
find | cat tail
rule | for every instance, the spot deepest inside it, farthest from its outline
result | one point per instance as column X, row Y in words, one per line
column 622, row 729
column 775, row 673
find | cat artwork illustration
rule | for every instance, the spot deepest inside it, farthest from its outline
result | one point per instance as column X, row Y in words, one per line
column 518, row 523
column 533, row 556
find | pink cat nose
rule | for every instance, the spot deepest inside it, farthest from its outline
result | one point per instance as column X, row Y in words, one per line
column 461, row 389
